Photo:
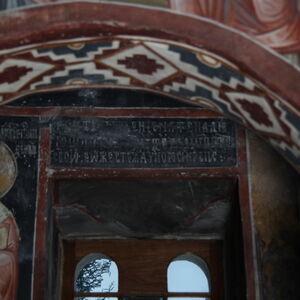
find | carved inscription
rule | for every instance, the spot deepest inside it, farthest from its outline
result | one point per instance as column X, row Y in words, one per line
column 143, row 142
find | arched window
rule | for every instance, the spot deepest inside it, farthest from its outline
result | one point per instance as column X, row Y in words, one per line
column 142, row 270
column 188, row 278
column 96, row 276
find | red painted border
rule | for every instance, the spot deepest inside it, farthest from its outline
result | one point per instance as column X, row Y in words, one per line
column 62, row 21
column 246, row 215
column 112, row 112
column 40, row 248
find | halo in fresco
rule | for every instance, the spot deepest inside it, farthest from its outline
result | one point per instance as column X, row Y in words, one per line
column 8, row 169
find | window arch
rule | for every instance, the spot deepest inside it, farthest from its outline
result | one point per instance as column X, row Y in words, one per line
column 142, row 268
column 188, row 274
column 96, row 274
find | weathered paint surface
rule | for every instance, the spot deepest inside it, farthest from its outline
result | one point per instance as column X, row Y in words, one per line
column 274, row 195
column 274, row 184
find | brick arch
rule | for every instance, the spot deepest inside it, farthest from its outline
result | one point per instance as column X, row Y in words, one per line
column 82, row 44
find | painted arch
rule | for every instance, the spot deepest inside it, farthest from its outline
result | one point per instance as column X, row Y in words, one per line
column 86, row 44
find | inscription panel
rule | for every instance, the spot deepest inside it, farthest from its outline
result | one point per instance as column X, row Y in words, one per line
column 143, row 142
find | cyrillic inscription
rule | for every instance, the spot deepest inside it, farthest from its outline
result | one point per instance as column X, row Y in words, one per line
column 21, row 133
column 143, row 142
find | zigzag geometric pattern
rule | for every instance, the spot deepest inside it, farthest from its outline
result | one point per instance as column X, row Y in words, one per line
column 174, row 69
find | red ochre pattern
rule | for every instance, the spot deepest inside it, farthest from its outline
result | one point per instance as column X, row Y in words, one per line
column 12, row 74
column 256, row 112
column 141, row 63
column 162, row 66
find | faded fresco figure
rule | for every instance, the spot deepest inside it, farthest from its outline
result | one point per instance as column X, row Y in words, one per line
column 9, row 233
column 9, row 243
column 273, row 22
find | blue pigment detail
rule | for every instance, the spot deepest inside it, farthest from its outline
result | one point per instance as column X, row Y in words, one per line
column 291, row 118
column 224, row 73
column 289, row 155
column 80, row 53
column 76, row 74
column 206, row 94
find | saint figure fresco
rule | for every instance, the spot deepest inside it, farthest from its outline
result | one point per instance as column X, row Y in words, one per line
column 9, row 233
column 276, row 23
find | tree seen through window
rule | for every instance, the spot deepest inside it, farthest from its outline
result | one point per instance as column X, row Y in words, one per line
column 97, row 276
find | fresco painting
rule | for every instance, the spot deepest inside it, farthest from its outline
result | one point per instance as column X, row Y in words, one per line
column 66, row 91
column 9, row 233
column 18, row 173
column 274, row 23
